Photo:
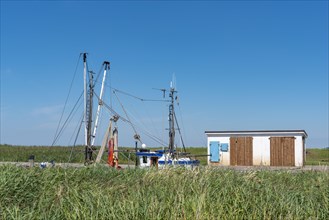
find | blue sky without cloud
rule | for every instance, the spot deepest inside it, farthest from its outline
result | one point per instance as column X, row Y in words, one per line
column 239, row 65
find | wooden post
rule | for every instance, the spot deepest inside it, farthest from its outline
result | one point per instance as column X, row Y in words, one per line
column 31, row 161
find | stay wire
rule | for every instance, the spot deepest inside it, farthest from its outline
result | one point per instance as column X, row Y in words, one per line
column 99, row 73
column 133, row 127
column 68, row 95
column 76, row 138
column 182, row 122
column 77, row 126
column 180, row 134
column 141, row 99
column 67, row 119
column 133, row 114
column 113, row 112
column 158, row 140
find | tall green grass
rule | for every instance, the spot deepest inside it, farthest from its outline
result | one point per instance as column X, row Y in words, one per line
column 202, row 193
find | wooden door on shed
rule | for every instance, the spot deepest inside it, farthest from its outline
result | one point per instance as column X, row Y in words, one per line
column 241, row 151
column 282, row 151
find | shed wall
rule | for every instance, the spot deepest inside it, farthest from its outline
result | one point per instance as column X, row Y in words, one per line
column 261, row 149
column 299, row 151
column 224, row 157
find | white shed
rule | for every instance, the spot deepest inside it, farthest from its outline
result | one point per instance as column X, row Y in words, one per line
column 256, row 148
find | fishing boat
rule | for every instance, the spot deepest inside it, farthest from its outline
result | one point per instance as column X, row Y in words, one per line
column 168, row 156
column 161, row 158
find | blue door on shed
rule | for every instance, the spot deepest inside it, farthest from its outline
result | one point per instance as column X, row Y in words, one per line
column 214, row 151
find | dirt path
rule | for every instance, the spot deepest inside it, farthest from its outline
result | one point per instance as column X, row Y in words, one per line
column 324, row 168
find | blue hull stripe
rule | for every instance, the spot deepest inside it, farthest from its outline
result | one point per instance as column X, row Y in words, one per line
column 191, row 162
column 145, row 154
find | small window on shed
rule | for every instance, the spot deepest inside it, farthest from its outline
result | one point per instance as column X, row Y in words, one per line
column 224, row 147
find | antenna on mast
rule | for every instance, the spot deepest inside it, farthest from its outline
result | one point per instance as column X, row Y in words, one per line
column 171, row 115
column 173, row 81
column 163, row 91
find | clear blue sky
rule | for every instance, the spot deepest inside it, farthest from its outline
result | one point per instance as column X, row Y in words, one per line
column 239, row 65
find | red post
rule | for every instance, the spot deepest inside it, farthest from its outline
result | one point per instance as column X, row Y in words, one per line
column 110, row 159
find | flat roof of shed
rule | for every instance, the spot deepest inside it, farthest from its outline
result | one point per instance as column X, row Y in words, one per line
column 258, row 132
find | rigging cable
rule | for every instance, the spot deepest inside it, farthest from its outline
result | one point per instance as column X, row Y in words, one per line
column 180, row 134
column 98, row 75
column 109, row 108
column 75, row 129
column 113, row 112
column 143, row 100
column 182, row 121
column 67, row 119
column 136, row 113
column 159, row 140
column 74, row 145
column 137, row 137
column 68, row 95
column 76, row 138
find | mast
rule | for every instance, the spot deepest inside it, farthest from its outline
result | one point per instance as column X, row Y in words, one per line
column 88, row 104
column 89, row 151
column 171, row 120
column 85, row 95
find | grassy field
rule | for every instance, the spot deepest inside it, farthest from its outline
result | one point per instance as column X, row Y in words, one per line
column 62, row 154
column 202, row 193
column 22, row 153
column 317, row 156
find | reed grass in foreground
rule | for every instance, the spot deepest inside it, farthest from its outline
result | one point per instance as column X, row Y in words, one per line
column 203, row 193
